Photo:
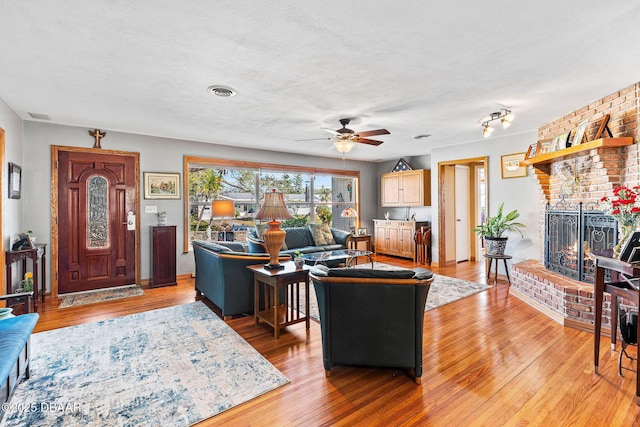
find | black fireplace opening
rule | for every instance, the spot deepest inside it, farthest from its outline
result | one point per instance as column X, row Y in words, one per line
column 571, row 233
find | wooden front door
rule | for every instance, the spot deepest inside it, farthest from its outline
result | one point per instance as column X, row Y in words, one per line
column 97, row 196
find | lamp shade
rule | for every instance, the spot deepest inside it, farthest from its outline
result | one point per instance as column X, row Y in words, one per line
column 349, row 213
column 274, row 207
column 222, row 208
column 344, row 145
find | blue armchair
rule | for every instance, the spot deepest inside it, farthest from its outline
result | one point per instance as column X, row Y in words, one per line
column 372, row 317
column 222, row 276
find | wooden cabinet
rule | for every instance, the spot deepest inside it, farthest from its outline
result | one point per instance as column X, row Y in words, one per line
column 408, row 188
column 393, row 237
column 163, row 256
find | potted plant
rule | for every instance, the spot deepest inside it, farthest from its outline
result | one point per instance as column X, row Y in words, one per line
column 493, row 228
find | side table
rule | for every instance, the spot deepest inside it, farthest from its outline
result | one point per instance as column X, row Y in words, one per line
column 35, row 254
column 497, row 258
column 275, row 312
column 352, row 241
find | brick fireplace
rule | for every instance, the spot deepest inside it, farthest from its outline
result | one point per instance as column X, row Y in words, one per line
column 580, row 176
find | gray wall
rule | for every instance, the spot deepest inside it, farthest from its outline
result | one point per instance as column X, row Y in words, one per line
column 156, row 155
column 12, row 208
column 516, row 193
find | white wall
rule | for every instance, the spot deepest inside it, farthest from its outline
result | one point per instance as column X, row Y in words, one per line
column 516, row 193
column 12, row 208
column 156, row 155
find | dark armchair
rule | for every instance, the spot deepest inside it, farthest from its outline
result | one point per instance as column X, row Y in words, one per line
column 372, row 317
column 222, row 276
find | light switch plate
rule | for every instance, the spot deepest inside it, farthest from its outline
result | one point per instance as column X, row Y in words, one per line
column 150, row 209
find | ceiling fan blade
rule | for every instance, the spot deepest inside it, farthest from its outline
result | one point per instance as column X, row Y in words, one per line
column 314, row 139
column 373, row 133
column 368, row 141
column 331, row 131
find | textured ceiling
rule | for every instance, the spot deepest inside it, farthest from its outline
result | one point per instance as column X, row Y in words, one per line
column 412, row 67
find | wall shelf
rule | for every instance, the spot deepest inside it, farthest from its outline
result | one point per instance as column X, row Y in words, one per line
column 566, row 152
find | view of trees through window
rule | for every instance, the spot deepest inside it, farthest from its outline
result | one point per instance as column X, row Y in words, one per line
column 310, row 197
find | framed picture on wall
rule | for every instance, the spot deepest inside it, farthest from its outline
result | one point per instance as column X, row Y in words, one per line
column 159, row 185
column 15, row 181
column 511, row 167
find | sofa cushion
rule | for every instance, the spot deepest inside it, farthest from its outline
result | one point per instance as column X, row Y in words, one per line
column 370, row 273
column 212, row 246
column 334, row 247
column 299, row 237
column 261, row 228
column 321, row 234
column 14, row 333
column 422, row 274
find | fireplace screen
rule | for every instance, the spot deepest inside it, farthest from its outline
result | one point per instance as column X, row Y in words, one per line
column 570, row 236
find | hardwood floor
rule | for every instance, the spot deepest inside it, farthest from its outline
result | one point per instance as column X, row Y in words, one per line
column 489, row 359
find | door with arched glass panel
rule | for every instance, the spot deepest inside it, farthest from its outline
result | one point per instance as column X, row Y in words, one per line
column 97, row 196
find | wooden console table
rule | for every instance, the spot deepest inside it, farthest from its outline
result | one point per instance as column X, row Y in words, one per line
column 624, row 288
column 36, row 254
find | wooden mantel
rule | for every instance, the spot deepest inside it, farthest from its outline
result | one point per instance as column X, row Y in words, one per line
column 542, row 163
column 566, row 152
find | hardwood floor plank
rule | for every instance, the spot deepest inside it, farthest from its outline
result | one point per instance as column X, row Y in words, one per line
column 488, row 359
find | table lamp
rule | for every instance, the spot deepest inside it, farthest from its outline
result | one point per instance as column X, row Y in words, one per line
column 222, row 209
column 273, row 208
column 350, row 213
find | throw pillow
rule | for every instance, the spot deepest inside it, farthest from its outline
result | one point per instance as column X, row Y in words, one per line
column 261, row 228
column 321, row 234
column 422, row 274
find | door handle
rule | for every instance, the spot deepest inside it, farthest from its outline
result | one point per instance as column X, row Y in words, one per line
column 458, row 220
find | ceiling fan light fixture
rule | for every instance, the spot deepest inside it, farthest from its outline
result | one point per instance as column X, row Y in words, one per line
column 222, row 91
column 344, row 145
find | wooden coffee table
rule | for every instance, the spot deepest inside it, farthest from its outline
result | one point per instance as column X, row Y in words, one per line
column 275, row 312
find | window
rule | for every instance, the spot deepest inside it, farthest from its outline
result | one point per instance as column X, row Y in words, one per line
column 312, row 196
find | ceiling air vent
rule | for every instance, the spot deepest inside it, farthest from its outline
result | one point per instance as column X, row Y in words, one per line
column 223, row 91
column 39, row 116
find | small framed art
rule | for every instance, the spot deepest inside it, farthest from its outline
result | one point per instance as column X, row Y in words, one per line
column 362, row 232
column 159, row 185
column 510, row 165
column 15, row 181
column 531, row 152
column 580, row 130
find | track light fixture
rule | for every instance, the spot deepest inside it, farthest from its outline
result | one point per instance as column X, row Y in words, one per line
column 504, row 115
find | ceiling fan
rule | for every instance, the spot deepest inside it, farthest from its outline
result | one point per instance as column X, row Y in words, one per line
column 345, row 139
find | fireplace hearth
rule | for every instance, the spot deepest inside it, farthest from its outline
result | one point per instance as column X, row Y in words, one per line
column 571, row 233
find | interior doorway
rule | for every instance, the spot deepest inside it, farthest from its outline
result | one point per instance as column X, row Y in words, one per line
column 95, row 226
column 463, row 195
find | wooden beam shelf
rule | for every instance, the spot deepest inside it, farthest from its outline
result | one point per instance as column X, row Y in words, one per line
column 566, row 152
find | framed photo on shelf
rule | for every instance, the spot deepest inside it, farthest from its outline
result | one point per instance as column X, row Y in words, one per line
column 580, row 130
column 544, row 147
column 560, row 142
column 15, row 181
column 531, row 152
column 159, row 185
column 603, row 127
column 361, row 232
column 511, row 167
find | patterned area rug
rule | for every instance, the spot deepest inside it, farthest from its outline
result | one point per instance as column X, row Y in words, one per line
column 92, row 297
column 444, row 290
column 169, row 367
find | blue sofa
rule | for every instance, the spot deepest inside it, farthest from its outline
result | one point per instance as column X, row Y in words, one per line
column 15, row 346
column 300, row 239
column 223, row 278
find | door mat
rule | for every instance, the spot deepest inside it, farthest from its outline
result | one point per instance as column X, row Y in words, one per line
column 101, row 295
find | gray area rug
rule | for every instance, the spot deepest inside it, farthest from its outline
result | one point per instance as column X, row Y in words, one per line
column 92, row 297
column 444, row 290
column 169, row 367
